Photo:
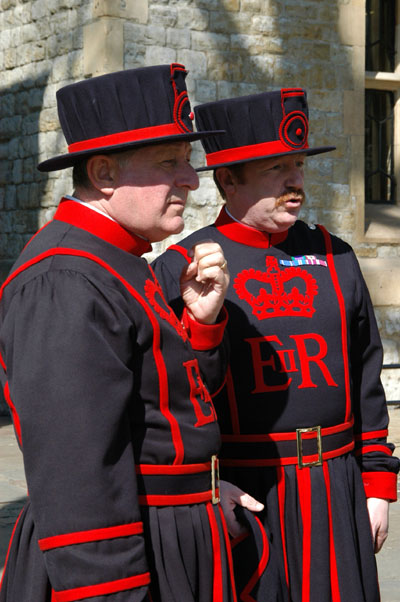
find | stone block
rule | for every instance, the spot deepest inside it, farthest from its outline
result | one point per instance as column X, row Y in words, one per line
column 205, row 91
column 178, row 38
column 192, row 18
column 205, row 41
column 353, row 111
column 164, row 15
column 383, row 280
column 349, row 16
column 137, row 10
column 195, row 62
column 157, row 55
column 103, row 46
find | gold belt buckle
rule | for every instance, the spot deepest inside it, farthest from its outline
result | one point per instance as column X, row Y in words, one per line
column 299, row 432
column 215, row 499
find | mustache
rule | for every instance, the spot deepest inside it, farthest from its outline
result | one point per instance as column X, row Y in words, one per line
column 298, row 196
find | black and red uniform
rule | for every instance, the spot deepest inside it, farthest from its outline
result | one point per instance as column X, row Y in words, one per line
column 115, row 422
column 303, row 414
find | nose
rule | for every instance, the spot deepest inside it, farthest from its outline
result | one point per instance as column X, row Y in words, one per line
column 187, row 176
column 295, row 178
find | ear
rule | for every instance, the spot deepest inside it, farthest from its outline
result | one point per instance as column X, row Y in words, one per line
column 226, row 180
column 102, row 171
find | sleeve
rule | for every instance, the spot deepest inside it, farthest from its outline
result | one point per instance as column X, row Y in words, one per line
column 210, row 343
column 375, row 455
column 68, row 356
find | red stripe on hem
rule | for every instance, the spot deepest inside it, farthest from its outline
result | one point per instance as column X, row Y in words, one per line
column 332, row 553
column 102, row 589
column 245, row 595
column 78, row 537
column 228, row 553
column 182, row 499
column 155, row 131
column 342, row 309
column 281, row 489
column 304, row 485
column 218, row 591
column 9, row 546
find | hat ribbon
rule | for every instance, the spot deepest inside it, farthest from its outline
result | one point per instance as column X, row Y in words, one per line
column 156, row 131
column 251, row 151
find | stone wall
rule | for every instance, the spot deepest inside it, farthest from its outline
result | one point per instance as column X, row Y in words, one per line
column 230, row 47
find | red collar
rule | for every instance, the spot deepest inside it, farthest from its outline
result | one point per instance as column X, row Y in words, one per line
column 247, row 235
column 101, row 226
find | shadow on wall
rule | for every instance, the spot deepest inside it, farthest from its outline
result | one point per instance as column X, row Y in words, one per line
column 22, row 185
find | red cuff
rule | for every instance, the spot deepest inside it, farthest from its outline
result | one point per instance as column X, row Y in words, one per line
column 205, row 336
column 380, row 484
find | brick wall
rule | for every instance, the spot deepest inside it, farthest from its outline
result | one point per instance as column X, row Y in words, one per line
column 231, row 47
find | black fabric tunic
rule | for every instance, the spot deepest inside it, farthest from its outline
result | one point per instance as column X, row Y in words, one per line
column 105, row 386
column 305, row 352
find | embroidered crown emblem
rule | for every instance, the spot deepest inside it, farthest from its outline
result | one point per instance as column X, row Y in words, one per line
column 277, row 292
column 155, row 296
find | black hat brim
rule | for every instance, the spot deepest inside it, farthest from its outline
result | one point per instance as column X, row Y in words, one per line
column 71, row 159
column 309, row 151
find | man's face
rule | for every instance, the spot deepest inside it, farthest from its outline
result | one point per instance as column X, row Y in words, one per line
column 269, row 194
column 151, row 190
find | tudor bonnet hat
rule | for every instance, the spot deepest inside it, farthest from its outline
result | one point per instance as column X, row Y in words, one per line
column 258, row 126
column 124, row 109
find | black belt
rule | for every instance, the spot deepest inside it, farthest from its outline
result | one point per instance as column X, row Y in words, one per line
column 171, row 485
column 305, row 447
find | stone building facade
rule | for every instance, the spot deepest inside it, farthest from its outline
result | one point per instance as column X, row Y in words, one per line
column 230, row 47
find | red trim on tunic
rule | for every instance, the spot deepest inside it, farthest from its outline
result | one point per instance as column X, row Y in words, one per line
column 218, row 590
column 304, row 489
column 158, row 358
column 155, row 131
column 342, row 308
column 228, row 553
column 78, row 215
column 243, row 153
column 182, row 251
column 372, row 435
column 332, row 553
column 2, row 364
column 289, row 436
column 246, row 235
column 290, row 460
column 281, row 490
column 102, row 589
column 205, row 336
column 380, row 484
column 374, row 448
column 78, row 537
column 172, row 468
column 14, row 413
column 245, row 595
column 9, row 546
column 181, row 499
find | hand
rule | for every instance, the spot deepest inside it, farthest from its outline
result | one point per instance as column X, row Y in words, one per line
column 232, row 496
column 204, row 282
column 378, row 510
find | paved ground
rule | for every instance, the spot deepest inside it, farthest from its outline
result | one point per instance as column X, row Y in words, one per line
column 13, row 492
